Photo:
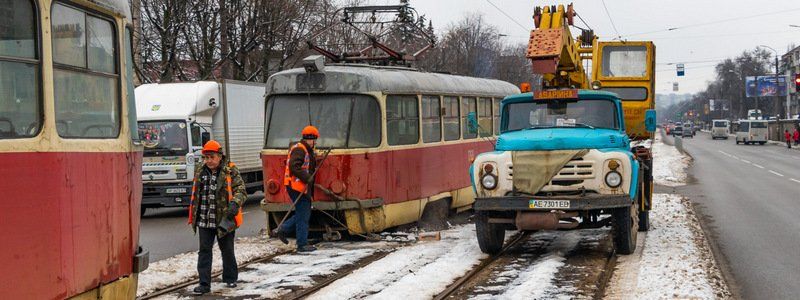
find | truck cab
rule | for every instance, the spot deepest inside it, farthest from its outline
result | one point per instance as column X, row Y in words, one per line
column 563, row 161
column 175, row 120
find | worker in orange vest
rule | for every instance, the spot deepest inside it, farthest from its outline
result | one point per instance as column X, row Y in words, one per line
column 218, row 193
column 299, row 181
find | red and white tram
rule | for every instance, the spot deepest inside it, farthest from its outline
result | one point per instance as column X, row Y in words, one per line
column 400, row 140
column 71, row 180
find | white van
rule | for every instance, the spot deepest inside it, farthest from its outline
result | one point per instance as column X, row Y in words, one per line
column 752, row 131
column 720, row 129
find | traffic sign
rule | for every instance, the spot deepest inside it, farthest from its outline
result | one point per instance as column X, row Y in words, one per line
column 674, row 86
column 680, row 69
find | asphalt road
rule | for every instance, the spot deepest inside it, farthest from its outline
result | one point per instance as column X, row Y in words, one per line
column 165, row 231
column 748, row 197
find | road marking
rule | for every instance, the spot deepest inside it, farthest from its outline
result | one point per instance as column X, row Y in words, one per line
column 776, row 173
column 723, row 152
column 795, row 180
column 758, row 166
column 747, row 161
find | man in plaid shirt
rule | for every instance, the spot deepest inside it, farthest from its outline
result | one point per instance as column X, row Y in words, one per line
column 218, row 193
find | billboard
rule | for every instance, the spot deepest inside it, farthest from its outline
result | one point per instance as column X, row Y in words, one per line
column 765, row 86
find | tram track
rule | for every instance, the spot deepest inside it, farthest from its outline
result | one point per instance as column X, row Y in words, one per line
column 458, row 284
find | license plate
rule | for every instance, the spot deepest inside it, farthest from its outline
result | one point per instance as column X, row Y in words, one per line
column 548, row 204
column 176, row 191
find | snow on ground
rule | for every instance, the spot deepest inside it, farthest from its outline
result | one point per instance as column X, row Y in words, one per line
column 669, row 164
column 535, row 281
column 676, row 261
column 419, row 271
column 183, row 267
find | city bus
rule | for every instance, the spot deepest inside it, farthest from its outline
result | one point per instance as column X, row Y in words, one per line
column 70, row 213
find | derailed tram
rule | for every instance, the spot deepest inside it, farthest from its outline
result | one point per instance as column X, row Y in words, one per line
column 72, row 186
column 400, row 141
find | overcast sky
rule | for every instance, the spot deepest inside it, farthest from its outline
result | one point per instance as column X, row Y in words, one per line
column 707, row 31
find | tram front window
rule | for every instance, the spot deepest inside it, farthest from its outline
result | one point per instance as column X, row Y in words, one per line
column 344, row 121
column 19, row 73
column 554, row 114
column 164, row 138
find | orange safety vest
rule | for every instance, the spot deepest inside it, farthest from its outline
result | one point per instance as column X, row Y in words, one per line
column 238, row 219
column 290, row 180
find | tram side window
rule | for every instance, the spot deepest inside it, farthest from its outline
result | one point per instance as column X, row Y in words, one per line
column 468, row 105
column 402, row 120
column 431, row 119
column 496, row 115
column 452, row 127
column 485, row 116
column 20, row 102
column 86, row 78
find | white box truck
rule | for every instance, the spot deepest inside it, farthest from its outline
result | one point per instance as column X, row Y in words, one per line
column 176, row 119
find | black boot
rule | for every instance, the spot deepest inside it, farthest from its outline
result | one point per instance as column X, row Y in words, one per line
column 202, row 289
column 306, row 248
column 280, row 235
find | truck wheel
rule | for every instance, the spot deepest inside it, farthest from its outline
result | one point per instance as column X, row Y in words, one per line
column 762, row 143
column 644, row 220
column 490, row 236
column 626, row 228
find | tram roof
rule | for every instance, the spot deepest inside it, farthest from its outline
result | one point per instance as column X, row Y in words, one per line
column 389, row 80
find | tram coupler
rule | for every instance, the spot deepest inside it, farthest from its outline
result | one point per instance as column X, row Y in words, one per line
column 331, row 235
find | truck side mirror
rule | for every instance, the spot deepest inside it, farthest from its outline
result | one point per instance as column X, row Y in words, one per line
column 205, row 137
column 650, row 120
column 472, row 123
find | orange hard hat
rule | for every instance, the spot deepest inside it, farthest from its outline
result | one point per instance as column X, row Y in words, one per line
column 310, row 133
column 212, row 146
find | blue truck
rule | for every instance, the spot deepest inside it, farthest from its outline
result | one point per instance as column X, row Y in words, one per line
column 562, row 161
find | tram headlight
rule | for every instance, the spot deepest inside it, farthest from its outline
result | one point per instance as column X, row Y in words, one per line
column 489, row 181
column 613, row 179
column 181, row 175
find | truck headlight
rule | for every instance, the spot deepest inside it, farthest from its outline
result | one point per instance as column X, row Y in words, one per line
column 489, row 181
column 613, row 179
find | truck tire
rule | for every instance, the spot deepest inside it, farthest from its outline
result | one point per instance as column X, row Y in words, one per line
column 644, row 220
column 625, row 224
column 490, row 236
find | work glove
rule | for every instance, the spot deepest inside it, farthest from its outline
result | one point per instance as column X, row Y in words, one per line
column 233, row 209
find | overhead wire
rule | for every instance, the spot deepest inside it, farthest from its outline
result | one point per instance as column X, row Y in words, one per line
column 611, row 19
column 526, row 29
column 713, row 22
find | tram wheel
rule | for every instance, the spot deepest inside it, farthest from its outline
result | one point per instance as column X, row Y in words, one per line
column 490, row 236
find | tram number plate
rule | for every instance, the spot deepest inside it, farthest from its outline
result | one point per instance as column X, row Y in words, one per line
column 548, row 204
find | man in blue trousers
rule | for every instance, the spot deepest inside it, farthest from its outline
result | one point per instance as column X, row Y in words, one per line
column 299, row 182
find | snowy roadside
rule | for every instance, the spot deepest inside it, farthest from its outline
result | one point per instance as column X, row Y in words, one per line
column 676, row 260
column 669, row 164
column 183, row 267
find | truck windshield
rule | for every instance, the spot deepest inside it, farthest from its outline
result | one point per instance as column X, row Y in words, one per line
column 344, row 121
column 758, row 125
column 583, row 113
column 164, row 138
column 720, row 124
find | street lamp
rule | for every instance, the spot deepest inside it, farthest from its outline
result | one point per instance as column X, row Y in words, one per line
column 744, row 89
column 795, row 26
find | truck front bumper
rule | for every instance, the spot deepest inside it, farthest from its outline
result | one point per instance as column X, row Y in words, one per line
column 575, row 203
column 166, row 194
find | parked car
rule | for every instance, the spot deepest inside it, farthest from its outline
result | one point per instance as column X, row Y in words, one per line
column 677, row 131
column 688, row 130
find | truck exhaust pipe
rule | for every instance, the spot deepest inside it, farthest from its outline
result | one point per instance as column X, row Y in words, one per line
column 546, row 220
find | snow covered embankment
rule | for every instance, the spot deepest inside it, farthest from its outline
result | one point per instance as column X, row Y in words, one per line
column 674, row 260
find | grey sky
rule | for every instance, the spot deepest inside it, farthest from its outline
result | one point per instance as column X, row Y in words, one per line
column 700, row 47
